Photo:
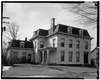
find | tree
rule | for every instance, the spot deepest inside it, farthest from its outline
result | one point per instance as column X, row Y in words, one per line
column 86, row 11
column 12, row 31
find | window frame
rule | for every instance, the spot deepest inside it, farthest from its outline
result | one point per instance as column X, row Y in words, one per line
column 77, row 44
column 70, row 56
column 86, row 45
column 70, row 43
column 62, row 42
column 62, row 54
column 77, row 56
column 22, row 45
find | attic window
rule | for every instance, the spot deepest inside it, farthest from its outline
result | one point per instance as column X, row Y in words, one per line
column 81, row 32
column 22, row 44
column 70, row 30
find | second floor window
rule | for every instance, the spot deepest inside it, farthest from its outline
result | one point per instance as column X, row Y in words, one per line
column 70, row 56
column 41, row 44
column 86, row 45
column 62, row 55
column 53, row 42
column 62, row 42
column 77, row 44
column 70, row 43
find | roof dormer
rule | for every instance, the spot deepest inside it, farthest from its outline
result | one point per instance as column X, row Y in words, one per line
column 22, row 44
column 69, row 30
column 81, row 32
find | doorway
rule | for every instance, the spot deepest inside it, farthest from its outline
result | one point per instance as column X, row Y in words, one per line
column 29, row 58
column 85, row 57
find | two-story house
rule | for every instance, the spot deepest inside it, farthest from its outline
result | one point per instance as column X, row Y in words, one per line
column 62, row 44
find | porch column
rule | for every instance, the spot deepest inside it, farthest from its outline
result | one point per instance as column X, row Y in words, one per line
column 47, row 57
column 42, row 57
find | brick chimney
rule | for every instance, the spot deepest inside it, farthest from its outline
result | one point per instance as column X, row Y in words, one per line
column 25, row 38
column 52, row 22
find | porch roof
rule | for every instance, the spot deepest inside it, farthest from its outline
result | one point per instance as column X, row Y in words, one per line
column 49, row 48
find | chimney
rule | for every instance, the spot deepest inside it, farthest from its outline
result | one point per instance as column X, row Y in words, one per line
column 25, row 38
column 52, row 22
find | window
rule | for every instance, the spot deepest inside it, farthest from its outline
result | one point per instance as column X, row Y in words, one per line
column 77, row 56
column 81, row 32
column 86, row 45
column 70, row 43
column 70, row 56
column 62, row 42
column 77, row 44
column 70, row 30
column 24, row 57
column 41, row 44
column 22, row 44
column 62, row 55
column 53, row 42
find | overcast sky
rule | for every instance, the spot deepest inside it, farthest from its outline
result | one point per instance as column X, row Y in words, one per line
column 32, row 16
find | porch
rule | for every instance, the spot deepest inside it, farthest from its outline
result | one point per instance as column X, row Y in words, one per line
column 47, row 55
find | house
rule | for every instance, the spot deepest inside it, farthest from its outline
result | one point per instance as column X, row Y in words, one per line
column 62, row 44
column 20, row 51
column 94, row 56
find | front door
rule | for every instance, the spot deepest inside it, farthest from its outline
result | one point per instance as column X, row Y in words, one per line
column 85, row 57
column 29, row 58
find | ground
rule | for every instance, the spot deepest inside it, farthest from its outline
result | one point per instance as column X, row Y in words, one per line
column 30, row 70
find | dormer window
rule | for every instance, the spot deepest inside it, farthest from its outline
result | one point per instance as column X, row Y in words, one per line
column 69, row 30
column 21, row 44
column 81, row 32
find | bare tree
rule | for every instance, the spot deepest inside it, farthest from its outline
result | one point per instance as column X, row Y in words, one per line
column 12, row 31
column 86, row 11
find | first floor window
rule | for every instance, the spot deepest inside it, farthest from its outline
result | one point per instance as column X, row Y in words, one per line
column 77, row 56
column 62, row 55
column 24, row 57
column 70, row 56
column 15, row 54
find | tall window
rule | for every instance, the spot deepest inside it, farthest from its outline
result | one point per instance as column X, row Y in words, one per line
column 53, row 42
column 70, row 43
column 41, row 44
column 62, row 55
column 77, row 56
column 70, row 56
column 24, row 57
column 86, row 45
column 22, row 44
column 77, row 44
column 62, row 42
column 70, row 30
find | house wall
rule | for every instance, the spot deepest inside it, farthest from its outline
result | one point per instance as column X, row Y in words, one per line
column 73, row 49
column 20, row 51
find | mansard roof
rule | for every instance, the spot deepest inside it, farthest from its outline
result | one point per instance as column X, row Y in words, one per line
column 60, row 28
column 75, row 31
column 16, row 43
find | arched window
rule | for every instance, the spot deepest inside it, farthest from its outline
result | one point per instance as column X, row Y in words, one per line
column 69, row 30
column 81, row 32
column 41, row 44
column 21, row 44
column 62, row 42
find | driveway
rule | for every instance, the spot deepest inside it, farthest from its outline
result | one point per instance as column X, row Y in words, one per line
column 28, row 70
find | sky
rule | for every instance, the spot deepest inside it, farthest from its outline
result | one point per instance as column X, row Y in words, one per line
column 32, row 16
